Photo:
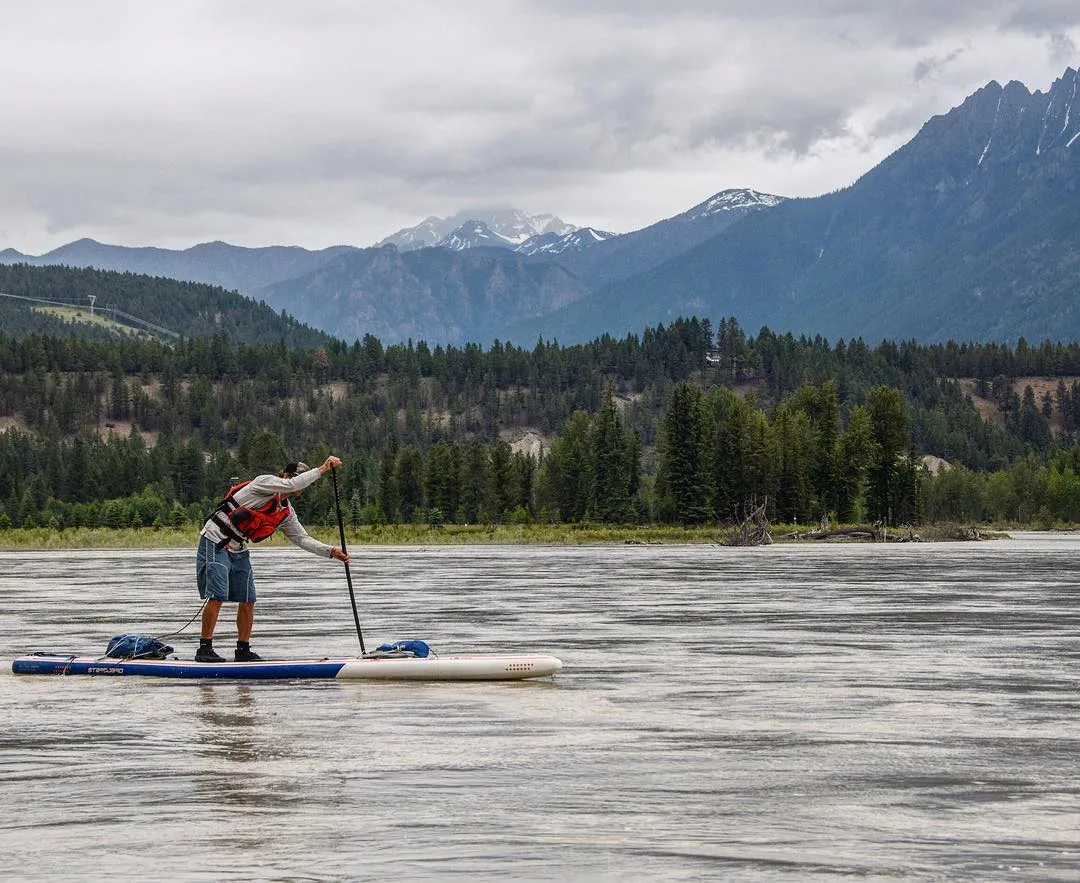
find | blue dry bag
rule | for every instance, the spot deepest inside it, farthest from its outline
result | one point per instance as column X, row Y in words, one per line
column 137, row 647
column 403, row 648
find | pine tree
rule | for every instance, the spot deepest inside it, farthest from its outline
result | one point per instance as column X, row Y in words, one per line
column 793, row 435
column 475, row 484
column 761, row 462
column 683, row 455
column 822, row 405
column 262, row 452
column 610, row 497
column 525, row 468
column 438, row 480
column 730, row 488
column 565, row 481
column 857, row 455
column 410, row 482
column 885, row 407
column 503, row 490
column 1033, row 426
column 389, row 499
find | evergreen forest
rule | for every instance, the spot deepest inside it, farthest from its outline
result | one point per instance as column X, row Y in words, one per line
column 179, row 309
column 681, row 424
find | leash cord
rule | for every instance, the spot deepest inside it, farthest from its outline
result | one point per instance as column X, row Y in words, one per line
column 198, row 613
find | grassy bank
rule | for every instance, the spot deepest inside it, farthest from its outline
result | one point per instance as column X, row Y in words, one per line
column 365, row 535
column 452, row 534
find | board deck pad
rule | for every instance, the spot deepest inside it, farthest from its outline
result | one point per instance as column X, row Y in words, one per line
column 430, row 668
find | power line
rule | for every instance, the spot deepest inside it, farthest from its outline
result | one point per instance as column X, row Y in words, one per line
column 127, row 317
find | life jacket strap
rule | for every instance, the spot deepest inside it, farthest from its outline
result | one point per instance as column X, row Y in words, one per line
column 222, row 520
column 231, row 533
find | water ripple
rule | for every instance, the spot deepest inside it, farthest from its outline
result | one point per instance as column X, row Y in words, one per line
column 886, row 712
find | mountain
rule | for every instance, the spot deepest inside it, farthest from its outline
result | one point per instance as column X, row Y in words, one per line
column 214, row 263
column 620, row 257
column 424, row 235
column 510, row 224
column 249, row 270
column 969, row 231
column 473, row 234
column 556, row 244
column 488, row 294
column 477, row 234
column 432, row 294
column 473, row 288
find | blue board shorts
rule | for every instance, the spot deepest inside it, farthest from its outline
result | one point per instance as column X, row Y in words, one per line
column 223, row 575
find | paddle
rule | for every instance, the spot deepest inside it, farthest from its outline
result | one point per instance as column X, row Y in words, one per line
column 348, row 576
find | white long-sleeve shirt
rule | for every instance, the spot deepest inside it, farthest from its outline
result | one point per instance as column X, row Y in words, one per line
column 260, row 491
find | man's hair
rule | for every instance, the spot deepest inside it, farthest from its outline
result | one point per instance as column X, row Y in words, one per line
column 292, row 469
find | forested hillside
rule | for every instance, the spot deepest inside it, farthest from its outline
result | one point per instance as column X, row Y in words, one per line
column 185, row 308
column 676, row 424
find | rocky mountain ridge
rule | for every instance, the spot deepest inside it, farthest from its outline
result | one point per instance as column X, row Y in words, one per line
column 970, row 231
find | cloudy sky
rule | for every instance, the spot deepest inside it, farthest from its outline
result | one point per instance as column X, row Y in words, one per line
column 264, row 122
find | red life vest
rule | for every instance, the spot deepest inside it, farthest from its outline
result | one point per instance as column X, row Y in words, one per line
column 249, row 524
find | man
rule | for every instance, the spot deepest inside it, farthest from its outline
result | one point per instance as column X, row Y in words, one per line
column 250, row 513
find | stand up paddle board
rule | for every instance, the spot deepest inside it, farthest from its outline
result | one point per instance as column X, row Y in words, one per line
column 429, row 668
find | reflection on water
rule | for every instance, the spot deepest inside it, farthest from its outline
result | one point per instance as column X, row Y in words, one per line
column 778, row 713
column 226, row 723
column 232, row 751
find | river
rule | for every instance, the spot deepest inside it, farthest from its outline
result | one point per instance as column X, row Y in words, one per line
column 778, row 713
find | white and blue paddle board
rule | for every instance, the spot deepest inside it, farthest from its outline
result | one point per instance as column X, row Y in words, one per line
column 429, row 668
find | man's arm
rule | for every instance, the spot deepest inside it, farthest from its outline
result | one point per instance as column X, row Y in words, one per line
column 294, row 531
column 271, row 485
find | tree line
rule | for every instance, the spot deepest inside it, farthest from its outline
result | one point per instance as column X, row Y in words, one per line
column 678, row 424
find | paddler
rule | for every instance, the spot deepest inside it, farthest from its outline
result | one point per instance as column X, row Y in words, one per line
column 250, row 513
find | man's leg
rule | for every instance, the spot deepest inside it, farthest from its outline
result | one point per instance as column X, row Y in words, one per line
column 212, row 576
column 242, row 591
column 245, row 618
column 210, row 617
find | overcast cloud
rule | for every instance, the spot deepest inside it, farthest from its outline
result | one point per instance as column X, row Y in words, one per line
column 259, row 123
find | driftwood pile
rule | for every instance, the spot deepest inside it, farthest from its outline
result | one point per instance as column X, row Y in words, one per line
column 754, row 530
column 876, row 532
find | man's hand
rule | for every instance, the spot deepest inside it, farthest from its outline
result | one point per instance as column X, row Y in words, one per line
column 332, row 462
column 340, row 554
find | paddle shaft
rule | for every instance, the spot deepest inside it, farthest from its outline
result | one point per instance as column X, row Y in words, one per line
column 348, row 575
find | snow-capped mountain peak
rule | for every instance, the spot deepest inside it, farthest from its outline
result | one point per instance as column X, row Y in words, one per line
column 511, row 225
column 553, row 243
column 473, row 234
column 428, row 232
column 739, row 199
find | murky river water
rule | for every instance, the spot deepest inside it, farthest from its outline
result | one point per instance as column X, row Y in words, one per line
column 787, row 712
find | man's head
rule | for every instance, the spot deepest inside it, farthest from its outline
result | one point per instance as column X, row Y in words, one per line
column 291, row 470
